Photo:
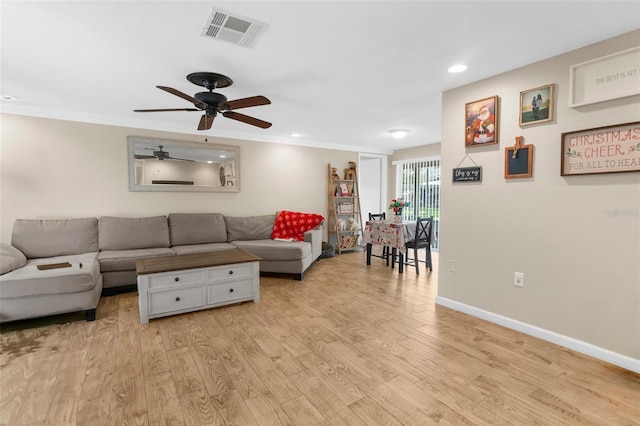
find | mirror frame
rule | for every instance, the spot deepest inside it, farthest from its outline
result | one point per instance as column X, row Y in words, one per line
column 168, row 143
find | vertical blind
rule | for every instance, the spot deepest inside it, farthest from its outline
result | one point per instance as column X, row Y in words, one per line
column 420, row 185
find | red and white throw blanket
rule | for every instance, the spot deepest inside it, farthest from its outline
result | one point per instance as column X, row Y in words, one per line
column 291, row 226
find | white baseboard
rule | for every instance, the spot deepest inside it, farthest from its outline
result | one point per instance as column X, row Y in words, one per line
column 605, row 355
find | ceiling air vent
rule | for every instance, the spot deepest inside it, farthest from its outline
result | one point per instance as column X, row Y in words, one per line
column 236, row 29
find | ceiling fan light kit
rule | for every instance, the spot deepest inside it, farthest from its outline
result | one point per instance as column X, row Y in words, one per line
column 212, row 103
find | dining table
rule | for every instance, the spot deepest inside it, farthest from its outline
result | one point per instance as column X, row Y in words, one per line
column 390, row 233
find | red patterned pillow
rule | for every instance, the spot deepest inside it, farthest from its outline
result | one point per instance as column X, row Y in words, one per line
column 291, row 226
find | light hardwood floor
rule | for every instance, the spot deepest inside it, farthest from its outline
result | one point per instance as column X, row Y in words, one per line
column 348, row 345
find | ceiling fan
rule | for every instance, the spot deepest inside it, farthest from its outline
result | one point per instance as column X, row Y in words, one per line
column 160, row 154
column 213, row 103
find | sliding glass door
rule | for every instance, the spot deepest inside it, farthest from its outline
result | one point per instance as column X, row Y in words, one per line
column 418, row 181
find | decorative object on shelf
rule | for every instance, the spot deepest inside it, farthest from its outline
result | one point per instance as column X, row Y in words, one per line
column 397, row 204
column 536, row 105
column 350, row 173
column 345, row 208
column 334, row 173
column 609, row 149
column 518, row 160
column 481, row 122
column 348, row 242
column 344, row 189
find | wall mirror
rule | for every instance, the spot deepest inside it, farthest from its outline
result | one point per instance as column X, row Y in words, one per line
column 171, row 166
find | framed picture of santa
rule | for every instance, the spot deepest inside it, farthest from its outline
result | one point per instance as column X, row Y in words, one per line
column 481, row 122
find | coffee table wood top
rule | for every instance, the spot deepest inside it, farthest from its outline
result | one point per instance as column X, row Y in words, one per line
column 152, row 265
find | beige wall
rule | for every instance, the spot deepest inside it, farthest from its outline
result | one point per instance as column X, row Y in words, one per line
column 52, row 168
column 576, row 238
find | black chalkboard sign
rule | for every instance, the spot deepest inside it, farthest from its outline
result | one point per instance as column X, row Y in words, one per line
column 519, row 165
column 467, row 174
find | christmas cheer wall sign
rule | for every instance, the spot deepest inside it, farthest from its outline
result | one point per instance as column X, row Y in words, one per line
column 610, row 149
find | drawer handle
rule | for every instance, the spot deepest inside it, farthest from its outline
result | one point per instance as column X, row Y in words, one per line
column 230, row 290
column 177, row 299
column 230, row 272
column 177, row 279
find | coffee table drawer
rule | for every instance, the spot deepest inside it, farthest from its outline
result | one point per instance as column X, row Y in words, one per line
column 176, row 300
column 171, row 279
column 225, row 292
column 229, row 271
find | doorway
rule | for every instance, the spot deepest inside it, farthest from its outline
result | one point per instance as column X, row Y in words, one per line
column 372, row 178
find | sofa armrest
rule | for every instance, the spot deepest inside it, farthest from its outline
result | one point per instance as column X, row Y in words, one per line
column 315, row 238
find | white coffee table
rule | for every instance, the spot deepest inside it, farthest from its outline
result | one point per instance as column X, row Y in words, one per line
column 172, row 285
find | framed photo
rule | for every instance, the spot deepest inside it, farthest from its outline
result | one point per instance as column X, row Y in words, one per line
column 518, row 163
column 481, row 122
column 610, row 149
column 344, row 190
column 536, row 105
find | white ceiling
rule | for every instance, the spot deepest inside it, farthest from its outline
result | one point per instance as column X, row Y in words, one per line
column 341, row 73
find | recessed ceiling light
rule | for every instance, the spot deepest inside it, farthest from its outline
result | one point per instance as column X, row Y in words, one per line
column 223, row 156
column 398, row 133
column 457, row 68
column 294, row 134
column 8, row 98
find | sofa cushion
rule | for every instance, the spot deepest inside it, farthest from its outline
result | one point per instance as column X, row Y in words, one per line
column 249, row 228
column 275, row 250
column 197, row 228
column 123, row 233
column 30, row 281
column 55, row 237
column 10, row 258
column 125, row 260
column 202, row 248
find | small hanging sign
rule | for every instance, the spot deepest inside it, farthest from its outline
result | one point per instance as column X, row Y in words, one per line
column 467, row 174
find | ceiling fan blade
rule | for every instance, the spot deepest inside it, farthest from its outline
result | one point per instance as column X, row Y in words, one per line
column 180, row 159
column 246, row 102
column 143, row 157
column 166, row 109
column 184, row 96
column 206, row 121
column 246, row 119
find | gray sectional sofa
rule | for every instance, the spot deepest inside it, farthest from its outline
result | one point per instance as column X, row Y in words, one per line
column 102, row 254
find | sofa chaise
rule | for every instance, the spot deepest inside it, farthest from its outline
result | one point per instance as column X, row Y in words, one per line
column 28, row 292
column 102, row 254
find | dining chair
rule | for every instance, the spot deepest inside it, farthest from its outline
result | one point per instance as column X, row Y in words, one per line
column 421, row 240
column 385, row 249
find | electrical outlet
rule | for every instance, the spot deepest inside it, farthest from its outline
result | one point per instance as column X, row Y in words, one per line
column 518, row 279
column 453, row 265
